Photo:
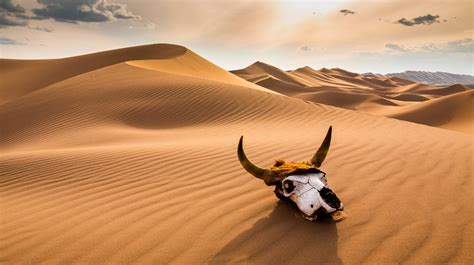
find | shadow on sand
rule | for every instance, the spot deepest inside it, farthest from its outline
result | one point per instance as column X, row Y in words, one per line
column 283, row 237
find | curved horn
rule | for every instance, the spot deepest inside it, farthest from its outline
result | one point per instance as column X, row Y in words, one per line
column 320, row 155
column 265, row 174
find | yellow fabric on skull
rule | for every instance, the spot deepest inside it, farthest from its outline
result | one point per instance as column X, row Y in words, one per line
column 283, row 168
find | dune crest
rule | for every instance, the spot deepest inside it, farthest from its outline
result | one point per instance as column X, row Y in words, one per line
column 191, row 64
column 42, row 73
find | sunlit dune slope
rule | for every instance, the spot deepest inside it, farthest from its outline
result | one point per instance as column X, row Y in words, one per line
column 20, row 77
column 443, row 91
column 136, row 163
column 191, row 64
column 260, row 68
column 23, row 76
column 455, row 112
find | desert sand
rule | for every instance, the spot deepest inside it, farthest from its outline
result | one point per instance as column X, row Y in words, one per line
column 375, row 94
column 129, row 156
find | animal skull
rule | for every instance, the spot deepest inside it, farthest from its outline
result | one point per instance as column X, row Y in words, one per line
column 302, row 183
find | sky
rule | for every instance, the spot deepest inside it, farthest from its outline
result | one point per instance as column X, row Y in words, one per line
column 378, row 36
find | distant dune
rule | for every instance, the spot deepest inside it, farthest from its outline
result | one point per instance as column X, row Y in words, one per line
column 129, row 157
column 371, row 93
column 453, row 112
column 435, row 78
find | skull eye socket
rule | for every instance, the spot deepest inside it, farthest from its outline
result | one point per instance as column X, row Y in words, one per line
column 288, row 186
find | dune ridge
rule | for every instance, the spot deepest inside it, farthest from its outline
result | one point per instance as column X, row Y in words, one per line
column 126, row 164
column 42, row 73
column 375, row 94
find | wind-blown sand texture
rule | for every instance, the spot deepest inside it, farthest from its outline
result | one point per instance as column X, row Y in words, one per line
column 106, row 160
column 376, row 94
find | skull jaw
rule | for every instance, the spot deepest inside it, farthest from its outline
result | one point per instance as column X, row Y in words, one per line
column 336, row 216
column 310, row 218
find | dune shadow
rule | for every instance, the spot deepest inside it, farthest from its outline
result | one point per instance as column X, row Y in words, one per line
column 283, row 237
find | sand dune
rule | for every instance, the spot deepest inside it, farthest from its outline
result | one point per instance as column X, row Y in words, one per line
column 410, row 97
column 41, row 73
column 375, row 94
column 135, row 162
column 443, row 91
column 453, row 112
column 346, row 99
column 260, row 68
column 280, row 86
column 191, row 64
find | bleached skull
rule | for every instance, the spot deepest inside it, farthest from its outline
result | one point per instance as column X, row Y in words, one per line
column 311, row 194
column 302, row 183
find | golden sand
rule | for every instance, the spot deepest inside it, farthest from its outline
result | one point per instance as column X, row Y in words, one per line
column 108, row 161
